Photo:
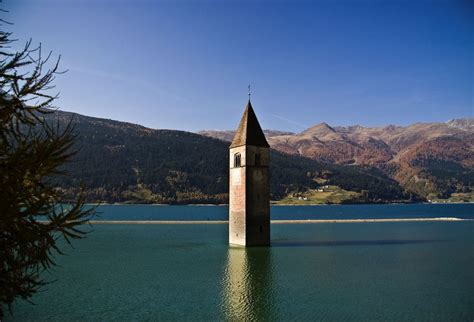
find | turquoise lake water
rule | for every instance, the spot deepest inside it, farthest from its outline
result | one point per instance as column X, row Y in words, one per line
column 398, row 271
column 152, row 212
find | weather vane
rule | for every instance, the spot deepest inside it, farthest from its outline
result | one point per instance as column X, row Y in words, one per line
column 249, row 92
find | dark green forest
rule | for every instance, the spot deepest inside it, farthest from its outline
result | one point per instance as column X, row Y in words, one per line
column 123, row 162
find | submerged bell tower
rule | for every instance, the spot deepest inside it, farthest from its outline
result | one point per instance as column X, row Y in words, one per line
column 249, row 184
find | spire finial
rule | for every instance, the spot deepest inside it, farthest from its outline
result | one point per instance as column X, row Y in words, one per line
column 249, row 92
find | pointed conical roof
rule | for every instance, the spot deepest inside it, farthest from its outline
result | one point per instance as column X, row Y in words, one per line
column 249, row 131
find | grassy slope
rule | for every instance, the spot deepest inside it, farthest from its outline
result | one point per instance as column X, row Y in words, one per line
column 457, row 197
column 329, row 195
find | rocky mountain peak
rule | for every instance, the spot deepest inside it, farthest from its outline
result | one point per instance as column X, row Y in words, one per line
column 466, row 124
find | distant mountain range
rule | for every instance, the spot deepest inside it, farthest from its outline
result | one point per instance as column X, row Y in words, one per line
column 429, row 160
column 124, row 162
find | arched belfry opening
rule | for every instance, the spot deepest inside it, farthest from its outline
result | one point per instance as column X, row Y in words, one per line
column 237, row 160
column 249, row 186
column 257, row 159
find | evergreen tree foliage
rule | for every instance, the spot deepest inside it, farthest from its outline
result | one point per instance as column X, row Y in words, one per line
column 31, row 152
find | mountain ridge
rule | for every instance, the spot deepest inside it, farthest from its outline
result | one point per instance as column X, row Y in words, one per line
column 125, row 162
column 412, row 155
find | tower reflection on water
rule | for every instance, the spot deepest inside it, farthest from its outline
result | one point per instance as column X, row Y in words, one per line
column 247, row 285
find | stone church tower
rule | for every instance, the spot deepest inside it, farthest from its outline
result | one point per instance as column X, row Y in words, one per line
column 249, row 186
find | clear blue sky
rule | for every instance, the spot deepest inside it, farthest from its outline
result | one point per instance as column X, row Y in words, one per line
column 186, row 64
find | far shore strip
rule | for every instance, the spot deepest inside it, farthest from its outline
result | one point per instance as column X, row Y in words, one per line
column 302, row 221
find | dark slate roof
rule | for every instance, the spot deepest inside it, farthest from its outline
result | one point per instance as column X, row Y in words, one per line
column 249, row 131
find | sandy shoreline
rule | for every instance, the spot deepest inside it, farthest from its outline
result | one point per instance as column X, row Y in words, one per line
column 307, row 221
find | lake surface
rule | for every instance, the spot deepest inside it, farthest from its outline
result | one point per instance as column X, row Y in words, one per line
column 395, row 271
column 153, row 212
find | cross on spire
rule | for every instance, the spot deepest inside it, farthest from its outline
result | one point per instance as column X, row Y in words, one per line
column 249, row 92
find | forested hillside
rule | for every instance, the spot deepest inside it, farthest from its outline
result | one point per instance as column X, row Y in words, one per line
column 123, row 162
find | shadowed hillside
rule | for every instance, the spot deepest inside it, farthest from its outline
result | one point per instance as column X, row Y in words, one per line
column 123, row 162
